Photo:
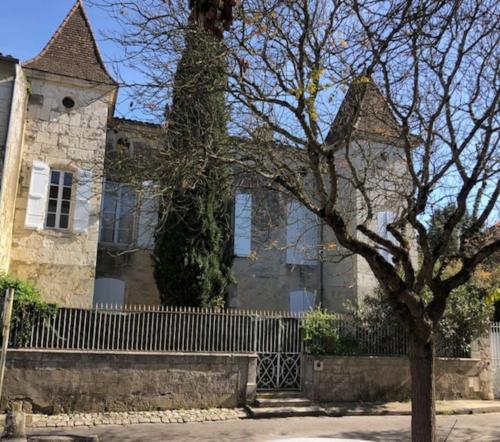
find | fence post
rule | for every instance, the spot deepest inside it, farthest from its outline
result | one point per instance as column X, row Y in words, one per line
column 6, row 315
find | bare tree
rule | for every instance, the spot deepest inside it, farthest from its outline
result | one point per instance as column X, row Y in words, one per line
column 424, row 92
column 417, row 129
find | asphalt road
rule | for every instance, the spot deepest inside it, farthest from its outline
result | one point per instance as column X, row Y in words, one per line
column 480, row 427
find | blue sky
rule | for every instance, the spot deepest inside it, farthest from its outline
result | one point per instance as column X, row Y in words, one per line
column 27, row 25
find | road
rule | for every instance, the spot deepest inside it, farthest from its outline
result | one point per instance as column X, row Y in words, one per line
column 479, row 427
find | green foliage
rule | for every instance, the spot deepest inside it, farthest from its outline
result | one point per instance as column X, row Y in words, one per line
column 193, row 255
column 467, row 316
column 322, row 337
column 437, row 224
column 28, row 306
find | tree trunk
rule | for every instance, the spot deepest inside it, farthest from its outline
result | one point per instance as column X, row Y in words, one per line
column 423, row 405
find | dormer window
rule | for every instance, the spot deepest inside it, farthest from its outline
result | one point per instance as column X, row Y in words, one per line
column 122, row 146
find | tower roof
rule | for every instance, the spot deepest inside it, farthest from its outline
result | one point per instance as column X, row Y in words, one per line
column 366, row 112
column 72, row 51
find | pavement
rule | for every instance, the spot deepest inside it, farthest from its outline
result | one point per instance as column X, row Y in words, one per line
column 472, row 427
column 404, row 408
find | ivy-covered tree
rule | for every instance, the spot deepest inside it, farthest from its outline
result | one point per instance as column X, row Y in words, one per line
column 193, row 256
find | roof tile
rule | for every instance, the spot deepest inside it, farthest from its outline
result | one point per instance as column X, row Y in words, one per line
column 365, row 112
column 73, row 51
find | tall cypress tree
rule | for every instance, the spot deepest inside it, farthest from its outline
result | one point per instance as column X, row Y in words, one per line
column 193, row 253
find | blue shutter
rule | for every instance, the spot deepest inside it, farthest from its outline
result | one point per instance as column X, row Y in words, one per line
column 302, row 235
column 243, row 225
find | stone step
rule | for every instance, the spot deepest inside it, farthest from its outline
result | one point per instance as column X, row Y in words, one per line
column 275, row 402
column 63, row 439
column 279, row 394
column 273, row 412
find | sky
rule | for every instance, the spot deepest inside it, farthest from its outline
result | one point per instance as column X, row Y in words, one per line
column 27, row 25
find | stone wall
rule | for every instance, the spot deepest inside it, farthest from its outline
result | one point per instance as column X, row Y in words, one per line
column 12, row 115
column 496, row 382
column 351, row 379
column 55, row 382
column 61, row 262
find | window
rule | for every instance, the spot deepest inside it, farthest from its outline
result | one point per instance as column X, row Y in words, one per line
column 117, row 221
column 302, row 235
column 243, row 225
column 60, row 189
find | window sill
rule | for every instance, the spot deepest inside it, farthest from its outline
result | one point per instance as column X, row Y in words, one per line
column 115, row 246
column 56, row 233
column 303, row 264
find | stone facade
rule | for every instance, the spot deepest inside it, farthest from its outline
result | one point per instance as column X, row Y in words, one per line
column 13, row 98
column 370, row 378
column 66, row 140
column 76, row 268
column 55, row 382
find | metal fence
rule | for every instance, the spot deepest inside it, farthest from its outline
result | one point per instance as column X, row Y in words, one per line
column 495, row 345
column 180, row 329
column 357, row 338
column 158, row 329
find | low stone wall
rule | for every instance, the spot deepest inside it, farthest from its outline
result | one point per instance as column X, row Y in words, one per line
column 496, row 382
column 60, row 382
column 352, row 379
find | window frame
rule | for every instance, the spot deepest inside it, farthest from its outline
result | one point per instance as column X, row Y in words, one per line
column 119, row 191
column 58, row 213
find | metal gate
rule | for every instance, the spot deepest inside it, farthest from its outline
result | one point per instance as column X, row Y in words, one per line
column 279, row 349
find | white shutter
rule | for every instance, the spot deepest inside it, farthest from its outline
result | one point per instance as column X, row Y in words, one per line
column 383, row 220
column 301, row 301
column 148, row 216
column 82, row 201
column 302, row 235
column 37, row 197
column 243, row 225
column 109, row 291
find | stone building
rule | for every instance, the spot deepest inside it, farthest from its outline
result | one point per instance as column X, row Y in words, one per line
column 83, row 236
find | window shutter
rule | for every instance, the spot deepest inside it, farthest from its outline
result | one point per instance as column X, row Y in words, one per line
column 383, row 220
column 82, row 201
column 302, row 235
column 148, row 216
column 109, row 291
column 37, row 196
column 243, row 225
column 301, row 301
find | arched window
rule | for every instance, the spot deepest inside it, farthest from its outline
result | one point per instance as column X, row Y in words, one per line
column 109, row 291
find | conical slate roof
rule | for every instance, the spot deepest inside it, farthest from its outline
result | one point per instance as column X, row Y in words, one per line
column 366, row 111
column 73, row 51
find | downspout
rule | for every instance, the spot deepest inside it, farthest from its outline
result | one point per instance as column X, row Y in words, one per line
column 321, row 266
